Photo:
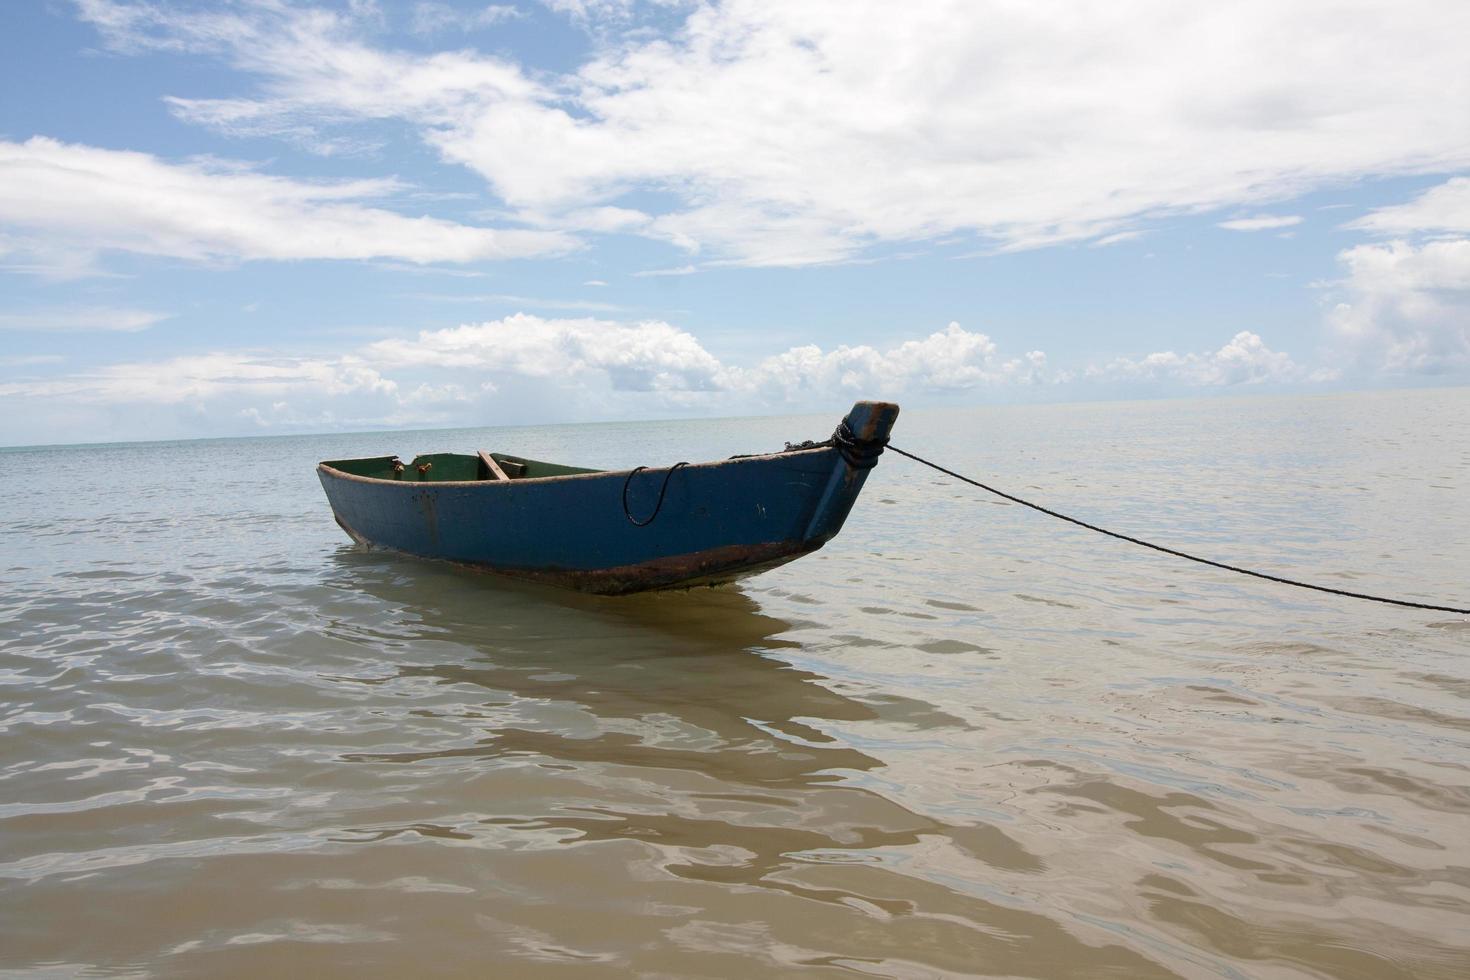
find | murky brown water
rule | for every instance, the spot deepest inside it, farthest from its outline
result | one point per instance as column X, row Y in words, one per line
column 963, row 740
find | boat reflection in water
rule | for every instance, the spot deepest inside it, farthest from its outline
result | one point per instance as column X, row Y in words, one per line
column 708, row 659
column 665, row 747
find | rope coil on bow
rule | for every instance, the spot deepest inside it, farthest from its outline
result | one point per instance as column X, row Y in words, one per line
column 860, row 454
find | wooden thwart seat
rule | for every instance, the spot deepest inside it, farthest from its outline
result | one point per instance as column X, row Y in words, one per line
column 496, row 473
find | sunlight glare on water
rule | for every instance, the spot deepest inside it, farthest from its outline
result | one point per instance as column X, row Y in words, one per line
column 963, row 739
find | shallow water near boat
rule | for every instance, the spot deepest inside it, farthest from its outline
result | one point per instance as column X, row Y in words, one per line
column 960, row 740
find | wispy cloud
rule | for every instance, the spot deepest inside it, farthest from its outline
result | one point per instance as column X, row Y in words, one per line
column 210, row 210
column 429, row 18
column 683, row 270
column 82, row 318
column 1262, row 222
column 817, row 156
column 30, row 360
column 1117, row 238
column 205, row 377
column 527, row 302
column 1445, row 208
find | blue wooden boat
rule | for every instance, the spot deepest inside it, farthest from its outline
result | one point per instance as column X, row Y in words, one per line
column 612, row 532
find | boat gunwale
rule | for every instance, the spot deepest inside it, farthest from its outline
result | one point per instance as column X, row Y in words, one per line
column 340, row 474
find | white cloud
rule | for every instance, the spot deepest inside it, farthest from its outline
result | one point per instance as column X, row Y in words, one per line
column 1407, row 309
column 1262, row 222
column 788, row 134
column 243, row 118
column 29, row 255
column 435, row 18
column 683, row 270
column 82, row 318
column 1118, row 238
column 526, row 302
column 316, row 66
column 30, row 360
column 1445, row 208
column 1244, row 360
column 953, row 359
column 604, row 219
column 585, row 10
column 422, row 377
column 654, row 356
column 596, row 14
column 526, row 368
column 209, row 209
column 208, row 376
column 646, row 356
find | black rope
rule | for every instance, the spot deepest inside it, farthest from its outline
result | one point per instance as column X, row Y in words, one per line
column 1180, row 554
column 860, row 454
column 661, row 491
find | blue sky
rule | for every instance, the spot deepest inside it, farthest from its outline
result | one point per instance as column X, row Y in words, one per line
column 263, row 216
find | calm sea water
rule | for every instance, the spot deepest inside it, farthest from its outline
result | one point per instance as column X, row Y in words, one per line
column 961, row 740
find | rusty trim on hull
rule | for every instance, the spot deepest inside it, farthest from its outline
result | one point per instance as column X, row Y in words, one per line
column 709, row 567
column 356, row 538
column 713, row 566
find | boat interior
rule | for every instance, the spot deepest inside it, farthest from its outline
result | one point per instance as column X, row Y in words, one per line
column 453, row 467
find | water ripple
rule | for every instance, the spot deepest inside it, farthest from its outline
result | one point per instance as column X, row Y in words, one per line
column 957, row 741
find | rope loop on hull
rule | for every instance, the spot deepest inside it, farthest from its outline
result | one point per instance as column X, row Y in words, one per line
column 661, row 491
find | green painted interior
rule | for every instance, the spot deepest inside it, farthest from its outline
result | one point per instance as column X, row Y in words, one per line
column 451, row 467
column 380, row 467
column 444, row 467
column 536, row 468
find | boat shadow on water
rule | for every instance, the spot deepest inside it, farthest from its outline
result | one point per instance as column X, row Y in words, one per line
column 707, row 662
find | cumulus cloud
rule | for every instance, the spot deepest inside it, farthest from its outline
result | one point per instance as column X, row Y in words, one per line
column 654, row 356
column 526, row 368
column 1244, row 360
column 209, row 209
column 799, row 133
column 953, row 359
column 1407, row 308
column 1404, row 305
column 537, row 367
column 647, row 356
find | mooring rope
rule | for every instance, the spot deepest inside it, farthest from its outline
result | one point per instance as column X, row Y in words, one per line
column 1174, row 552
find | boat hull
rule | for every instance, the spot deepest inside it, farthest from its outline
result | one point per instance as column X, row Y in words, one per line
column 717, row 522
